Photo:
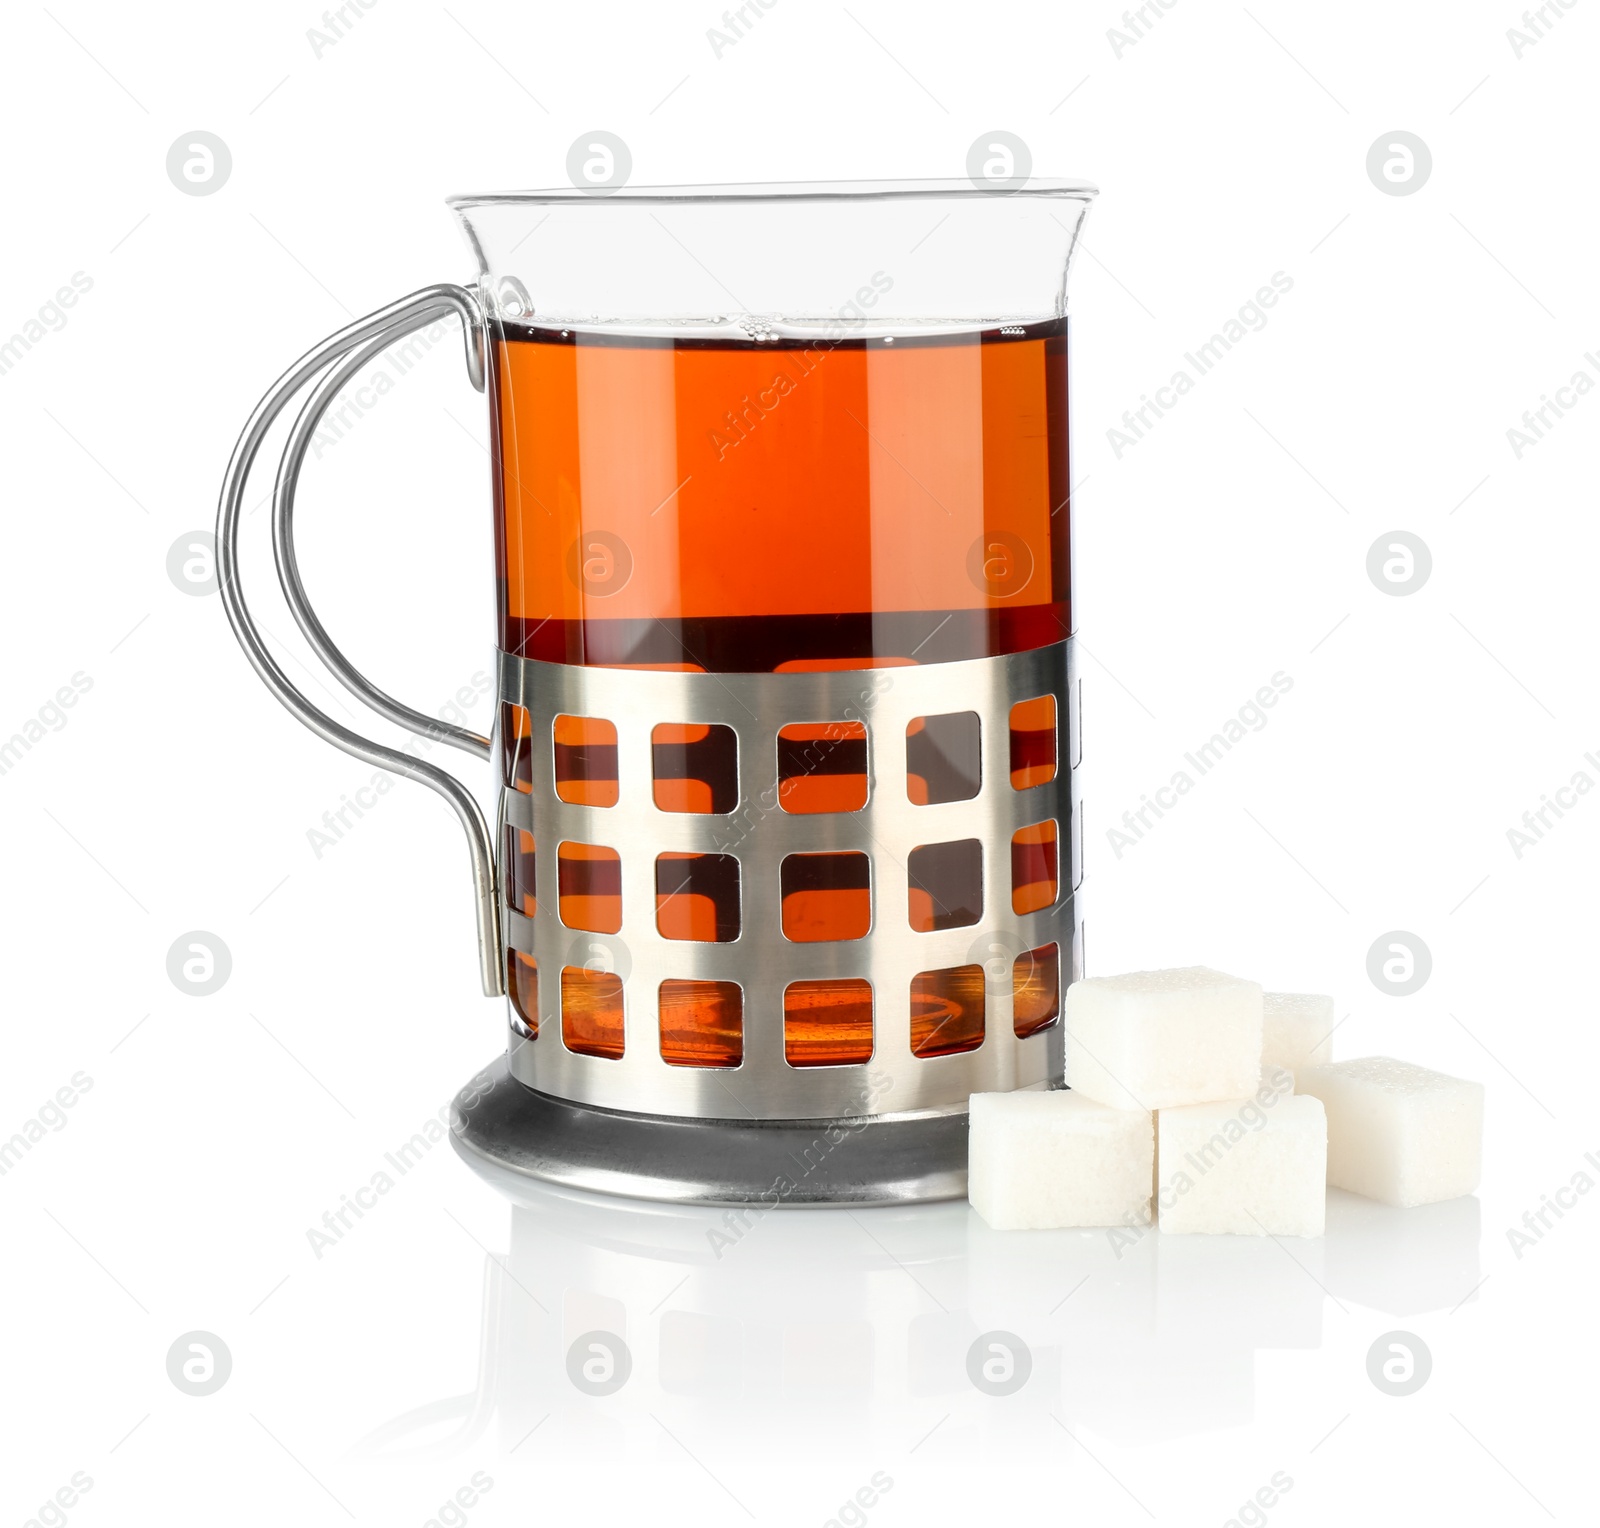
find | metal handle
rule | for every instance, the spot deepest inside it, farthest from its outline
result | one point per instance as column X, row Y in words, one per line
column 343, row 355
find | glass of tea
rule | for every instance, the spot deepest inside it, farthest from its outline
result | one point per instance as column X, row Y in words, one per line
column 786, row 844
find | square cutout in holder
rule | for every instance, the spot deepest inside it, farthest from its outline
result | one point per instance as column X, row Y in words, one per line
column 946, row 885
column 828, row 1023
column 1035, row 880
column 696, row 768
column 1035, row 990
column 1033, row 742
column 516, row 747
column 822, row 767
column 697, row 897
column 944, row 758
column 522, row 987
column 586, row 760
column 591, row 1012
column 518, row 854
column 826, row 896
column 947, row 1011
column 702, row 1023
column 589, row 886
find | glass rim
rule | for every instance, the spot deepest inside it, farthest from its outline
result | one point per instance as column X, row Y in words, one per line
column 787, row 191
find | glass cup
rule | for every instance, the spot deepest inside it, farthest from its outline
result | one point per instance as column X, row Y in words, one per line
column 787, row 721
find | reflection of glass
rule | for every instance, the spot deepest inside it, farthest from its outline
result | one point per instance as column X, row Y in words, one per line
column 840, row 1330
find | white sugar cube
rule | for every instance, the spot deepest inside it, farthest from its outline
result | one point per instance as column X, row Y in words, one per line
column 1253, row 1167
column 1159, row 1039
column 1042, row 1160
column 1296, row 1030
column 1399, row 1133
column 1275, row 1079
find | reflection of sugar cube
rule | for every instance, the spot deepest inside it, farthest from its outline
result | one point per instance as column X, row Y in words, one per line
column 1399, row 1133
column 1041, row 1160
column 1295, row 1030
column 1253, row 1167
column 1403, row 1262
column 1158, row 1039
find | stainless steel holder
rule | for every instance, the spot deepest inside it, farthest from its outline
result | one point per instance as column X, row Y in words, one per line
column 759, row 834
column 762, row 1132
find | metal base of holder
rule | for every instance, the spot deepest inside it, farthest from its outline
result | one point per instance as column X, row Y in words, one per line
column 903, row 1160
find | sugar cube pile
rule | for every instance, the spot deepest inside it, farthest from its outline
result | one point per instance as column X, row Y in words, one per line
column 1199, row 1103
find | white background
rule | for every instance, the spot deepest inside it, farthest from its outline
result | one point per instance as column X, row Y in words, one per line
column 1229, row 544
